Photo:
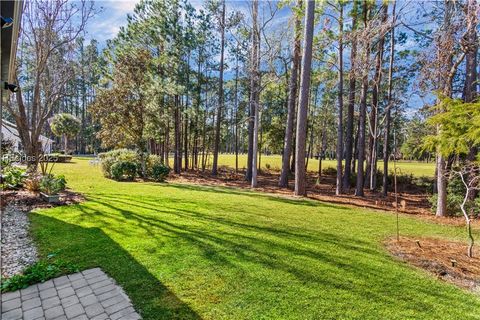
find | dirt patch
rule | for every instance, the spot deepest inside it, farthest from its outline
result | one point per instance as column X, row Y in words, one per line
column 447, row 260
column 25, row 200
column 412, row 202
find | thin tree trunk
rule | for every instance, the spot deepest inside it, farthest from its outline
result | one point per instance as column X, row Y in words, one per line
column 362, row 117
column 300, row 174
column 339, row 188
column 220, row 96
column 349, row 140
column 386, row 153
column 253, row 89
column 470, row 90
column 372, row 173
column 177, row 160
column 292, row 97
column 236, row 110
column 255, row 92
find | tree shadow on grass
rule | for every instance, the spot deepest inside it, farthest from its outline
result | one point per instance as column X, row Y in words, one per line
column 334, row 262
column 247, row 193
column 91, row 247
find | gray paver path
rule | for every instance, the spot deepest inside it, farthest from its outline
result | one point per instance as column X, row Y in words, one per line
column 89, row 294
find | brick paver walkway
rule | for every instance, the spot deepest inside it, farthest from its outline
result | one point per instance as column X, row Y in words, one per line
column 90, row 294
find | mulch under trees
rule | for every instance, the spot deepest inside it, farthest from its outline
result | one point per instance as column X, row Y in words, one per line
column 447, row 260
column 411, row 199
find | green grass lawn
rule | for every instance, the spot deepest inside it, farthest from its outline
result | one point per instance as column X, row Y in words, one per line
column 418, row 169
column 192, row 252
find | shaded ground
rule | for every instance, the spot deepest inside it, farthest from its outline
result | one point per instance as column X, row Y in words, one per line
column 446, row 260
column 190, row 251
column 411, row 199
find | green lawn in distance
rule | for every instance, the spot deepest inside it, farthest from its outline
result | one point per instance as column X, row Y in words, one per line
column 192, row 252
column 416, row 168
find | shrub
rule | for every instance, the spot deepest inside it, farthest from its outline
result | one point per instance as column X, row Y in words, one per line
column 39, row 272
column 329, row 171
column 123, row 170
column 268, row 166
column 158, row 172
column 455, row 195
column 51, row 185
column 13, row 177
column 111, row 157
column 32, row 183
column 152, row 160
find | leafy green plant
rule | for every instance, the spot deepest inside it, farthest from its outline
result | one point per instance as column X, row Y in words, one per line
column 329, row 171
column 32, row 183
column 13, row 177
column 41, row 271
column 455, row 195
column 123, row 170
column 109, row 158
column 66, row 125
column 158, row 172
column 52, row 185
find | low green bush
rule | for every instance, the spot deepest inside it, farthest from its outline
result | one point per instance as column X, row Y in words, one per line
column 455, row 195
column 109, row 158
column 13, row 177
column 41, row 271
column 329, row 171
column 123, row 170
column 158, row 172
column 51, row 184
column 153, row 159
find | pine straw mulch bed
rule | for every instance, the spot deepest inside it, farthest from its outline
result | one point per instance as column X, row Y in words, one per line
column 25, row 200
column 411, row 199
column 447, row 260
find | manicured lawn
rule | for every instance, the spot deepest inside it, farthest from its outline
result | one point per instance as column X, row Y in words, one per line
column 193, row 252
column 418, row 169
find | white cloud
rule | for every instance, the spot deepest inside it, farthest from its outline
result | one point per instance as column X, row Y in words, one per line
column 112, row 15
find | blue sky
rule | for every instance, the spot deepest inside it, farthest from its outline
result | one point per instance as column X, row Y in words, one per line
column 112, row 15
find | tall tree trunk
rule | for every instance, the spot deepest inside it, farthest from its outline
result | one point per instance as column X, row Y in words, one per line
column 255, row 92
column 236, row 110
column 373, row 139
column 177, row 160
column 220, row 95
column 186, row 130
column 349, row 139
column 300, row 174
column 253, row 89
column 292, row 98
column 451, row 68
column 339, row 188
column 386, row 138
column 362, row 116
column 167, row 143
column 197, row 112
column 470, row 91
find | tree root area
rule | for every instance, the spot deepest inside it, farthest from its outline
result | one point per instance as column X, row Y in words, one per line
column 447, row 260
